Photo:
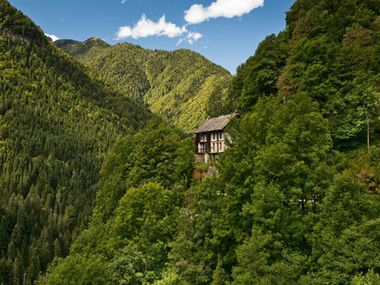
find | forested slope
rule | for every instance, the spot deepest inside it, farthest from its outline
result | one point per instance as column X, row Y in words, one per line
column 56, row 125
column 143, row 183
column 180, row 86
column 297, row 196
column 329, row 50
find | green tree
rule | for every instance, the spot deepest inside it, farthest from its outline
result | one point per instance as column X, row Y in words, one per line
column 134, row 221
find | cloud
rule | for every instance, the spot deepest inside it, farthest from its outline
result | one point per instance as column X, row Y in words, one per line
column 221, row 8
column 191, row 38
column 147, row 28
column 123, row 1
column 53, row 37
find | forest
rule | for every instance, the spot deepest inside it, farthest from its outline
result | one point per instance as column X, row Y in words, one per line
column 178, row 86
column 56, row 125
column 97, row 189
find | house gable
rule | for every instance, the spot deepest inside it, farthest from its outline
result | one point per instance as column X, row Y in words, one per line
column 210, row 137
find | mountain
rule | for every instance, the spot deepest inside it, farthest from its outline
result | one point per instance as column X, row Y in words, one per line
column 76, row 48
column 56, row 125
column 329, row 50
column 181, row 86
column 296, row 197
column 143, row 182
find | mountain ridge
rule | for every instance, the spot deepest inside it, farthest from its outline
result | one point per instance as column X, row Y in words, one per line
column 296, row 197
column 56, row 125
column 177, row 85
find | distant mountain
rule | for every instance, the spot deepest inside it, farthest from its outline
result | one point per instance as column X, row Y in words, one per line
column 56, row 125
column 296, row 199
column 181, row 86
column 76, row 48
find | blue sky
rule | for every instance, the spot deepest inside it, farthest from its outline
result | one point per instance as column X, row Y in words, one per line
column 225, row 31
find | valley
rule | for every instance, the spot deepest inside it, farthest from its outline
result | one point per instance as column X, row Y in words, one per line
column 97, row 157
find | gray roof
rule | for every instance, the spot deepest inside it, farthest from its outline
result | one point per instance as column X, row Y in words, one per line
column 215, row 124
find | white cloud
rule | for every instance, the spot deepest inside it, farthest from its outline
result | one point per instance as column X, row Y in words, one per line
column 53, row 37
column 147, row 28
column 221, row 8
column 191, row 38
column 123, row 1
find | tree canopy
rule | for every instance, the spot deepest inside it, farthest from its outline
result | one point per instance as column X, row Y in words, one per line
column 87, row 182
column 181, row 86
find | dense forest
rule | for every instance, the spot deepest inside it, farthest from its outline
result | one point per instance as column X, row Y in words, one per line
column 91, row 179
column 296, row 198
column 56, row 125
column 179, row 86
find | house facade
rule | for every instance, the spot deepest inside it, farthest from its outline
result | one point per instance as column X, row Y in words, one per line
column 211, row 138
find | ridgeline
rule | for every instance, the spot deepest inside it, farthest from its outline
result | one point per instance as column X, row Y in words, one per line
column 180, row 86
column 296, row 197
column 57, row 124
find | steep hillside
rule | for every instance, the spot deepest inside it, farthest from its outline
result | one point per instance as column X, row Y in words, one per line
column 143, row 182
column 56, row 125
column 330, row 50
column 176, row 85
column 296, row 199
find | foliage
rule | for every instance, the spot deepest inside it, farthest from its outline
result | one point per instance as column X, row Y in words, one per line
column 295, row 199
column 287, row 207
column 156, row 154
column 134, row 222
column 329, row 50
column 181, row 86
column 56, row 125
column 258, row 76
column 76, row 48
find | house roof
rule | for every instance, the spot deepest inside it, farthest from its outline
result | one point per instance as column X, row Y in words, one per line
column 215, row 124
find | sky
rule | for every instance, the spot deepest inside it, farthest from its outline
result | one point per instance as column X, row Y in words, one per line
column 225, row 31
